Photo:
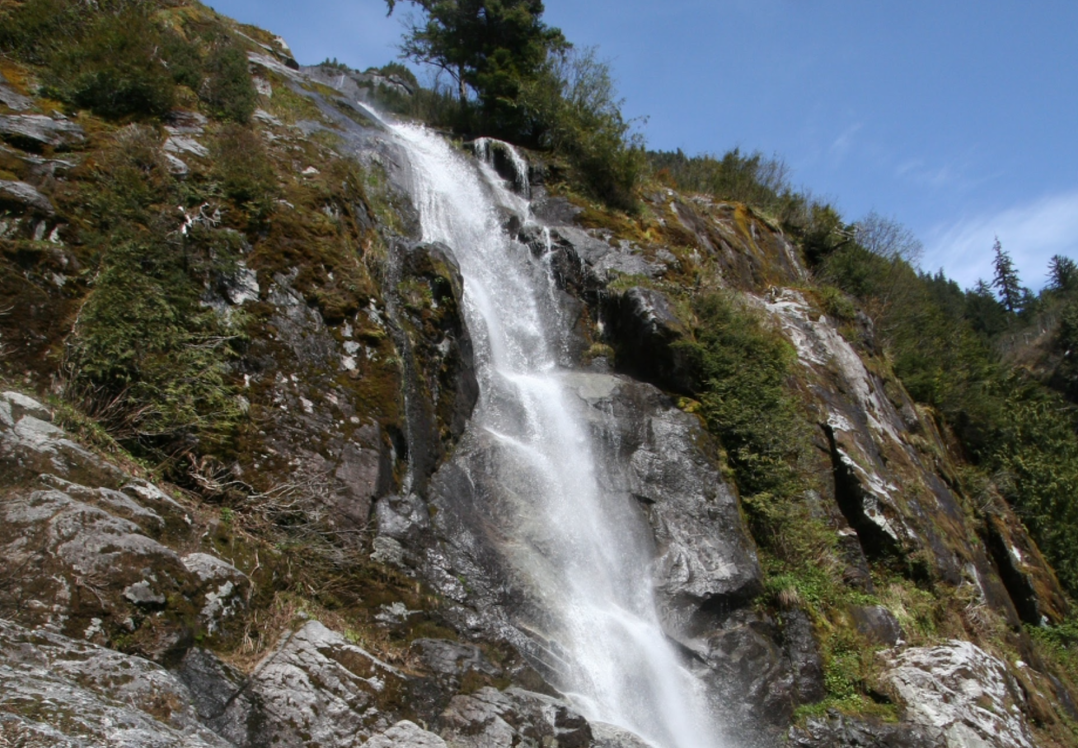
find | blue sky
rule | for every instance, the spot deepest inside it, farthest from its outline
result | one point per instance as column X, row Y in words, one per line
column 958, row 118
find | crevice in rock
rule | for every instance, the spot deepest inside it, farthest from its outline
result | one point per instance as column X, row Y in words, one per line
column 876, row 544
column 1016, row 583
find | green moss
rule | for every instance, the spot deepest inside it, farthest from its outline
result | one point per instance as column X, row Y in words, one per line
column 291, row 107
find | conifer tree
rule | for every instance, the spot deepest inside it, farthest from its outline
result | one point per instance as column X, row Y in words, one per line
column 1006, row 280
column 1062, row 273
column 488, row 46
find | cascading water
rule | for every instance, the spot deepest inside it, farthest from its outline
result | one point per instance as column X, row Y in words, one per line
column 581, row 552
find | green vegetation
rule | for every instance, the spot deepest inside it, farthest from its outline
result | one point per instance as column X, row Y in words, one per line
column 520, row 80
column 146, row 357
column 114, row 68
column 962, row 352
column 958, row 351
column 243, row 169
column 739, row 368
column 575, row 113
column 124, row 61
column 228, row 91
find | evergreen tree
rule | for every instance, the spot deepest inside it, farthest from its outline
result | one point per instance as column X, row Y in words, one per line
column 1062, row 273
column 983, row 312
column 491, row 47
column 1006, row 280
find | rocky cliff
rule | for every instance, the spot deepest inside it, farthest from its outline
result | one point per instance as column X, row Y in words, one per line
column 300, row 542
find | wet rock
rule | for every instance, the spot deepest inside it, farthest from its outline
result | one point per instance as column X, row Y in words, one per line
column 643, row 327
column 840, row 731
column 440, row 346
column 492, row 719
column 554, row 211
column 35, row 131
column 453, row 659
column 609, row 736
column 220, row 697
column 804, row 657
column 59, row 691
column 24, row 197
column 961, row 691
column 662, row 459
column 405, row 734
column 748, row 675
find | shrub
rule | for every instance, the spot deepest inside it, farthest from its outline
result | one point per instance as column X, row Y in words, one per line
column 124, row 188
column 34, row 29
column 753, row 179
column 243, row 169
column 573, row 110
column 739, row 368
column 114, row 68
column 150, row 360
column 228, row 91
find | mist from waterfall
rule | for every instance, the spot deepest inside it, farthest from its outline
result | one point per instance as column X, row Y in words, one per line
column 583, row 553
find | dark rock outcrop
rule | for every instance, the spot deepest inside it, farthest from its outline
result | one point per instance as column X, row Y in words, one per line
column 643, row 327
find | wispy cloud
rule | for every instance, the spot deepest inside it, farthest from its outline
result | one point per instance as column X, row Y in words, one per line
column 1031, row 233
column 841, row 145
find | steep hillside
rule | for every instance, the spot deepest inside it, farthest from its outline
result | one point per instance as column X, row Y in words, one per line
column 245, row 500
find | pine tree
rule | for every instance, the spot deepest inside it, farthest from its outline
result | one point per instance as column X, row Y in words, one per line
column 1006, row 280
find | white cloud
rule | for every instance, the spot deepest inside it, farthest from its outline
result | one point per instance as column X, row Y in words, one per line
column 1030, row 233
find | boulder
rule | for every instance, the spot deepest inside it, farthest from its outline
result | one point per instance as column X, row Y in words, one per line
column 35, row 131
column 58, row 691
column 24, row 198
column 961, row 691
column 89, row 560
column 837, row 730
column 80, row 569
column 405, row 734
column 31, row 445
column 223, row 588
column 877, row 624
column 11, row 98
column 501, row 719
column 317, row 690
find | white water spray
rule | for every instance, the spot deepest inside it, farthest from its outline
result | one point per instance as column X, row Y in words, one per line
column 582, row 552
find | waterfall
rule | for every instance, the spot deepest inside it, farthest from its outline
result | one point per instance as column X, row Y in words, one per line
column 582, row 552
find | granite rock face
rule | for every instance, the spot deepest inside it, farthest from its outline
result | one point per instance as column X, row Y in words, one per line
column 962, row 692
column 60, row 691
